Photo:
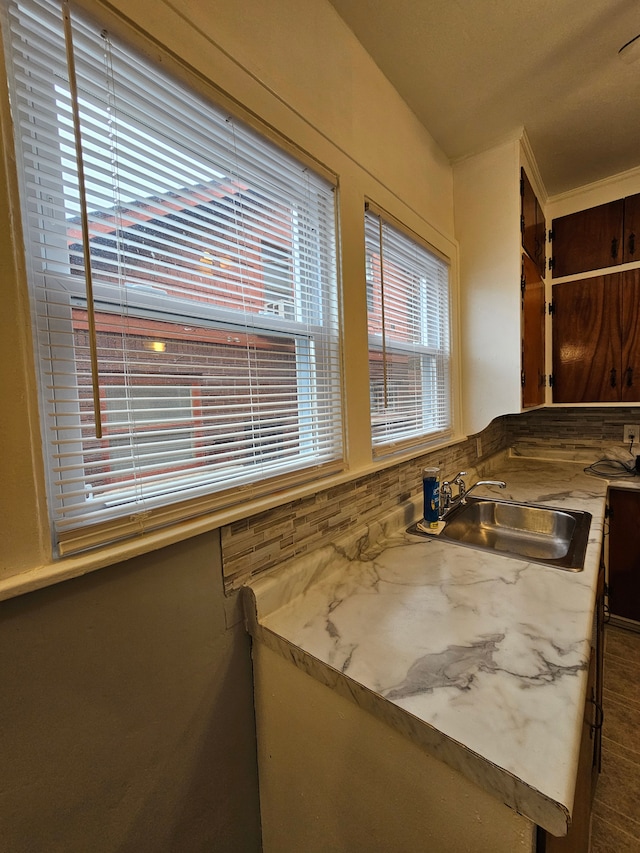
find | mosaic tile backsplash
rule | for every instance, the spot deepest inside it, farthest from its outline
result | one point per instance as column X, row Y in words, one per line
column 251, row 545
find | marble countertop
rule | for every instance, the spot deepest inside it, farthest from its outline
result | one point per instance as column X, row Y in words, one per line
column 480, row 658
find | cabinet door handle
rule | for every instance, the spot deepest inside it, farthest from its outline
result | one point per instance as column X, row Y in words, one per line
column 629, row 377
column 612, row 377
column 614, row 248
column 598, row 720
column 632, row 244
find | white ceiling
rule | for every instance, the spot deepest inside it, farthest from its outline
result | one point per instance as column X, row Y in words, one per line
column 475, row 71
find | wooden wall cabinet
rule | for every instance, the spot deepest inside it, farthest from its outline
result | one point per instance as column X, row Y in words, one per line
column 596, row 339
column 533, row 229
column 631, row 250
column 532, row 224
column 624, row 554
column 599, row 237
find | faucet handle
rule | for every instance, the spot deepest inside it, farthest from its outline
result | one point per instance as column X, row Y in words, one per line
column 445, row 495
column 460, row 483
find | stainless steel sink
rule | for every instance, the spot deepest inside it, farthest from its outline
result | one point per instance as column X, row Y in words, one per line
column 538, row 534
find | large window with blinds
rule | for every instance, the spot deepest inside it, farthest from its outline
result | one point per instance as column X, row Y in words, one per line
column 183, row 280
column 408, row 306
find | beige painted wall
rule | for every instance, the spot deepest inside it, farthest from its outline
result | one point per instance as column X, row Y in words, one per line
column 126, row 707
column 487, row 214
column 127, row 713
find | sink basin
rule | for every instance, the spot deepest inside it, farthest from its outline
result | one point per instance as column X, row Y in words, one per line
column 538, row 534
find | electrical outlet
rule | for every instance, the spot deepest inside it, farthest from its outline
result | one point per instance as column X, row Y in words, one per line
column 631, row 433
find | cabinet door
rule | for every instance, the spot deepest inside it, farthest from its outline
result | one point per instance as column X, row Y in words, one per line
column 630, row 334
column 624, row 554
column 533, row 320
column 528, row 214
column 597, row 690
column 532, row 224
column 541, row 241
column 631, row 250
column 586, row 340
column 588, row 240
column 577, row 839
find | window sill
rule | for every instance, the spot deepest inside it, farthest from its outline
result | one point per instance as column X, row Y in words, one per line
column 66, row 568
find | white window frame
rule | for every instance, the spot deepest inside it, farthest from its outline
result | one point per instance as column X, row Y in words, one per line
column 402, row 418
column 314, row 332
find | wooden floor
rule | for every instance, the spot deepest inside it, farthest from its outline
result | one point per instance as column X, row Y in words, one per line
column 616, row 809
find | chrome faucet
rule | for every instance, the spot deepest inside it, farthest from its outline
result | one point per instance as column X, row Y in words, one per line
column 448, row 502
column 499, row 483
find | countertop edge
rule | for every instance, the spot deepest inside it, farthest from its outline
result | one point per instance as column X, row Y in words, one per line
column 502, row 784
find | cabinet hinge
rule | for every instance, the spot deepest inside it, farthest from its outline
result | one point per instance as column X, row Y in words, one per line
column 522, row 222
column 552, row 263
column 522, row 378
column 523, row 283
column 552, row 308
column 550, row 234
column 551, row 380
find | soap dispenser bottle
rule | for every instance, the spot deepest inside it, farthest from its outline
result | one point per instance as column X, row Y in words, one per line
column 431, row 493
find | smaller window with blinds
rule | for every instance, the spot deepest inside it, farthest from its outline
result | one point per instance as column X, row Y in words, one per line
column 409, row 341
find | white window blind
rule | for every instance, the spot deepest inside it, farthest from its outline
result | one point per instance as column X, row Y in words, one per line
column 183, row 279
column 409, row 353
